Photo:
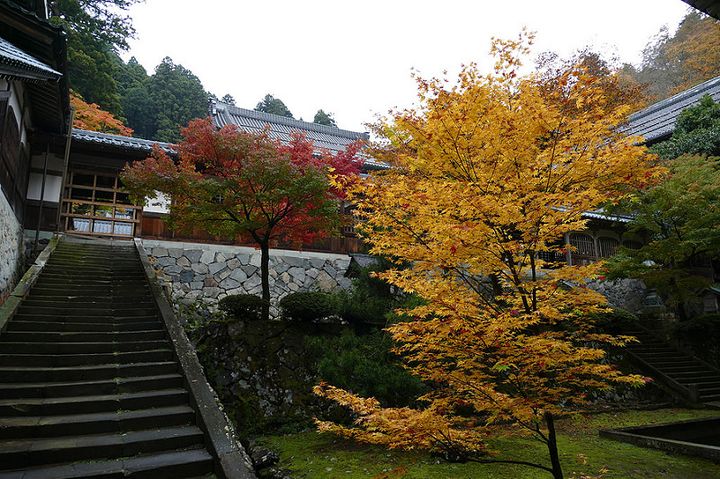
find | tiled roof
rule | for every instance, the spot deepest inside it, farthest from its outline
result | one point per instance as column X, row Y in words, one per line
column 281, row 127
column 15, row 63
column 657, row 121
column 122, row 142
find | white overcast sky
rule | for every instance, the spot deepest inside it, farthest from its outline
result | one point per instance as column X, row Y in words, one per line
column 354, row 59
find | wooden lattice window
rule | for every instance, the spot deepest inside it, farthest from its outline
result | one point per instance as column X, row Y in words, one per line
column 96, row 204
column 608, row 246
column 584, row 245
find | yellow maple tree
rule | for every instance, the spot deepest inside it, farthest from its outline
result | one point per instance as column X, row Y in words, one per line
column 89, row 116
column 489, row 174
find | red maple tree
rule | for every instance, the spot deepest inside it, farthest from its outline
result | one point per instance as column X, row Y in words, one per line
column 237, row 183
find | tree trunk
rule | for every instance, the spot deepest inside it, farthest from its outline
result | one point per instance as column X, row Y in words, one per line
column 552, row 447
column 265, row 278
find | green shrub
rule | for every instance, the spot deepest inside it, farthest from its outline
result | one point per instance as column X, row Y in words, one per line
column 365, row 365
column 307, row 306
column 242, row 306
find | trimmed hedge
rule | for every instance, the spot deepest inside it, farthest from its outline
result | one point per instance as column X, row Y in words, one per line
column 307, row 306
column 242, row 306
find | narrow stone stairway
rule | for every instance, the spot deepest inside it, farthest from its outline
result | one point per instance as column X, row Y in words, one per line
column 89, row 382
column 695, row 380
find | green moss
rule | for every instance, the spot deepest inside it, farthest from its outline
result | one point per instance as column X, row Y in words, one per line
column 319, row 456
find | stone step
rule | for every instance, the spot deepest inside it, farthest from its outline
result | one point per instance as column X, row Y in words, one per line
column 694, row 378
column 81, row 347
column 681, row 368
column 129, row 310
column 22, row 452
column 81, row 336
column 174, row 464
column 98, row 387
column 138, row 290
column 19, row 325
column 64, row 360
column 93, row 403
column 86, row 319
column 15, row 374
column 99, row 303
column 94, row 423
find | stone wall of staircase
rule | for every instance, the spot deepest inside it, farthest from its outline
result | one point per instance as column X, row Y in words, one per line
column 207, row 272
column 624, row 293
column 11, row 248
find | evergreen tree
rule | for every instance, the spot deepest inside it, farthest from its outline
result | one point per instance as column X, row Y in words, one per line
column 229, row 99
column 322, row 118
column 97, row 31
column 273, row 105
column 177, row 96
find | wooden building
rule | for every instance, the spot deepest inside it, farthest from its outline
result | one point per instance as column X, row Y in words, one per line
column 34, row 114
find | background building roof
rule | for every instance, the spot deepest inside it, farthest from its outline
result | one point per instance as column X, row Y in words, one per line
column 281, row 128
column 657, row 122
column 127, row 143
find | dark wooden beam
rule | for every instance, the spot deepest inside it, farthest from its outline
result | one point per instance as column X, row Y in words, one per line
column 710, row 7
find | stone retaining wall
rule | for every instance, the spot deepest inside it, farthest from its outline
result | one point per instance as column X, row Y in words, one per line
column 627, row 294
column 11, row 248
column 207, row 272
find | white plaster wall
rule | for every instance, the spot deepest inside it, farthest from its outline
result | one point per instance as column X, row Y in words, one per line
column 160, row 203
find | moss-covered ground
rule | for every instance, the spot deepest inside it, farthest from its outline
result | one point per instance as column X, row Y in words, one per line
column 583, row 453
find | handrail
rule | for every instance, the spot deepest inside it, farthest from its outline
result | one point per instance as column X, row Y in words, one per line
column 12, row 303
column 232, row 462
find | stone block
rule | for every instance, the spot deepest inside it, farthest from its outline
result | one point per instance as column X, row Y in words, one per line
column 165, row 261
column 255, row 260
column 186, row 276
column 229, row 283
column 223, row 274
column 281, row 267
column 211, row 292
column 220, row 258
column 325, row 282
column 238, row 275
column 159, row 252
column 317, row 263
column 243, row 258
column 200, row 268
column 183, row 261
column 196, row 285
column 210, row 282
column 175, row 252
column 312, row 273
column 215, row 268
column 172, row 269
column 298, row 274
column 294, row 261
column 207, row 257
column 250, row 270
column 194, row 255
column 252, row 282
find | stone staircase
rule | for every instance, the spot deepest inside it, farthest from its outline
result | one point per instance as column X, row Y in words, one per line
column 688, row 377
column 90, row 385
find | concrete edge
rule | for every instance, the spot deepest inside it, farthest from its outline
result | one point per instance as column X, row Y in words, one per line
column 231, row 460
column 663, row 444
column 153, row 243
column 12, row 303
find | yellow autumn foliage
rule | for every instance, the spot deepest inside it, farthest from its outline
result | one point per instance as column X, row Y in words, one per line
column 489, row 174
